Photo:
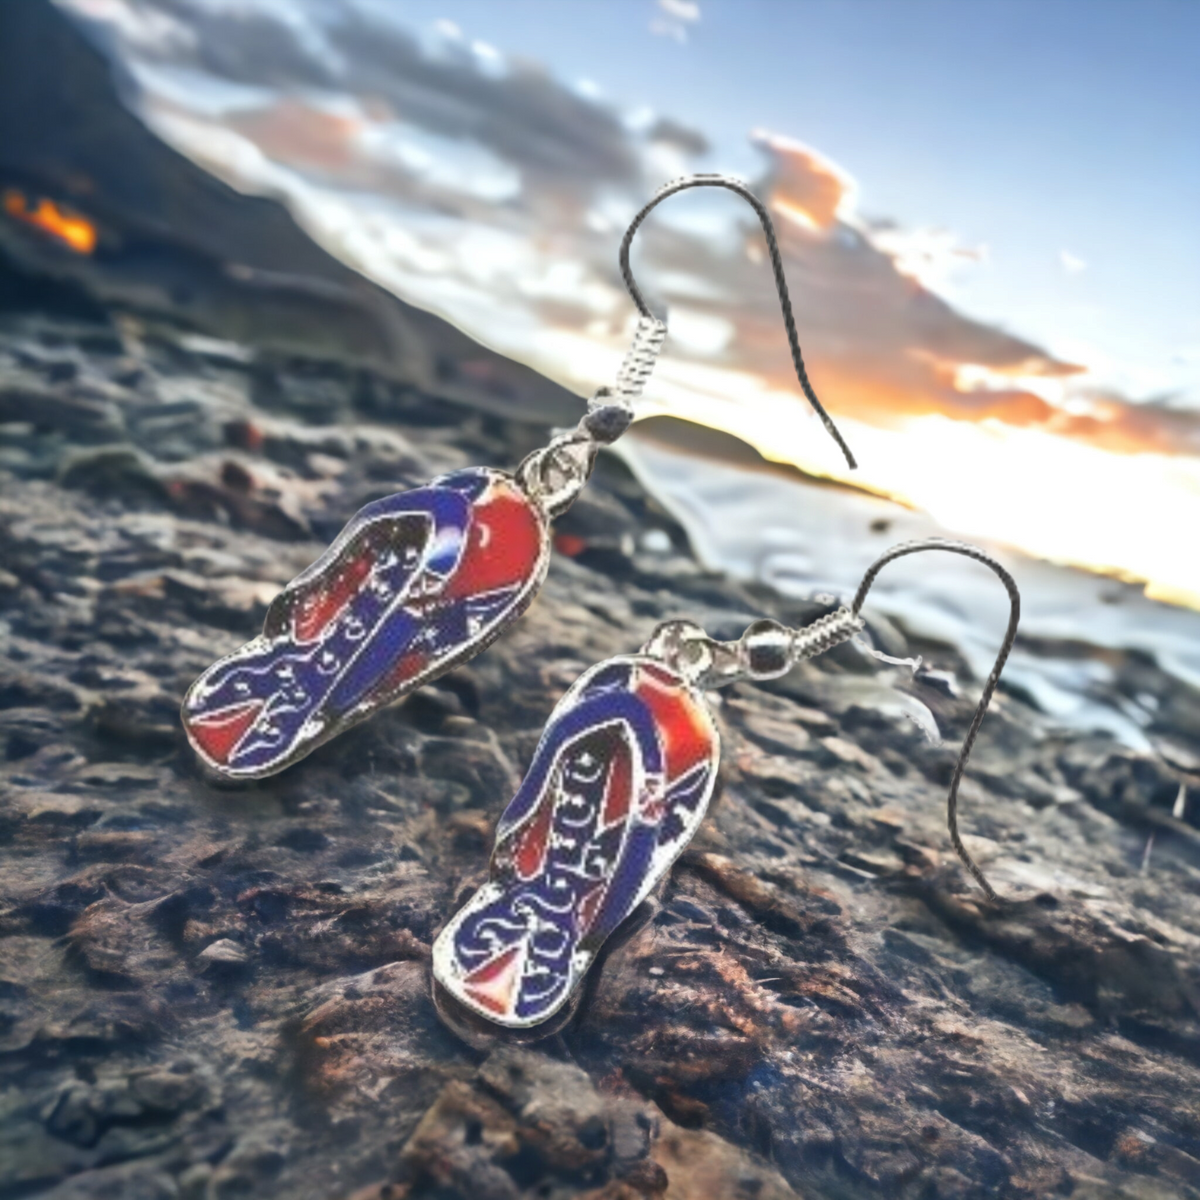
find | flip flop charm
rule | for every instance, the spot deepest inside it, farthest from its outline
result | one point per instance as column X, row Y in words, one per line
column 414, row 584
column 618, row 786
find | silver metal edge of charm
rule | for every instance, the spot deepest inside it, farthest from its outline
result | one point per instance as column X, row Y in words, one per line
column 582, row 960
column 355, row 716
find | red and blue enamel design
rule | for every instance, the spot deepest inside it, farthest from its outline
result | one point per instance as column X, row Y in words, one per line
column 415, row 583
column 619, row 784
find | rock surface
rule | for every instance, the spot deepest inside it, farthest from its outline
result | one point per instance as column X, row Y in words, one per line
column 210, row 993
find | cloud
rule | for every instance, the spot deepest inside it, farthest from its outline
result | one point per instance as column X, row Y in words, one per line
column 805, row 185
column 479, row 185
column 469, row 91
column 677, row 15
column 1071, row 263
column 681, row 10
column 682, row 137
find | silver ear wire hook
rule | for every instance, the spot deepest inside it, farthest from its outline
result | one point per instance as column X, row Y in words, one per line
column 989, row 687
column 785, row 303
column 555, row 474
column 768, row 650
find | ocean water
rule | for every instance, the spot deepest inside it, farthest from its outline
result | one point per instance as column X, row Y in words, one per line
column 488, row 191
column 810, row 540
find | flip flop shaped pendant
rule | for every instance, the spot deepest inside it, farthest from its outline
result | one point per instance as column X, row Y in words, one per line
column 619, row 784
column 414, row 584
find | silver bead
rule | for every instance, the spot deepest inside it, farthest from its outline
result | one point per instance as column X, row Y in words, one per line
column 765, row 650
column 606, row 422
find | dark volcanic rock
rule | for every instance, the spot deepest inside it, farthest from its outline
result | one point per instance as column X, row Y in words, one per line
column 210, row 992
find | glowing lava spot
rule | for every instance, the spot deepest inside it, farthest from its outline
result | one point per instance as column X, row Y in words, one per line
column 71, row 228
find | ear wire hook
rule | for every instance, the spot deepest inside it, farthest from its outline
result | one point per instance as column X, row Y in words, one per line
column 988, row 688
column 555, row 474
column 785, row 303
column 768, row 650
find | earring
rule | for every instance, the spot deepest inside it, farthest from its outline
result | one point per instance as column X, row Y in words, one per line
column 618, row 786
column 426, row 579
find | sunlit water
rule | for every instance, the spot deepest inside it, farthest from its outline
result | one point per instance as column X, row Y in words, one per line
column 811, row 540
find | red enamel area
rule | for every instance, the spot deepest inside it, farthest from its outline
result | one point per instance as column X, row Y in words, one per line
column 503, row 544
column 409, row 666
column 321, row 606
column 217, row 735
column 652, row 810
column 494, row 984
column 618, row 791
column 683, row 725
column 529, row 852
column 589, row 907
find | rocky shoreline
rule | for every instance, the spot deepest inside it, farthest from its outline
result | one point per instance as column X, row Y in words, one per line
column 211, row 992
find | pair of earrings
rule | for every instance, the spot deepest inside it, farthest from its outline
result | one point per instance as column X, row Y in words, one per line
column 421, row 581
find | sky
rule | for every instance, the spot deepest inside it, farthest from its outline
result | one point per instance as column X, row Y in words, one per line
column 987, row 211
column 1063, row 137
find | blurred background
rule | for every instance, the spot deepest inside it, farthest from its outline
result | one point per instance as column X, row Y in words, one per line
column 988, row 213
